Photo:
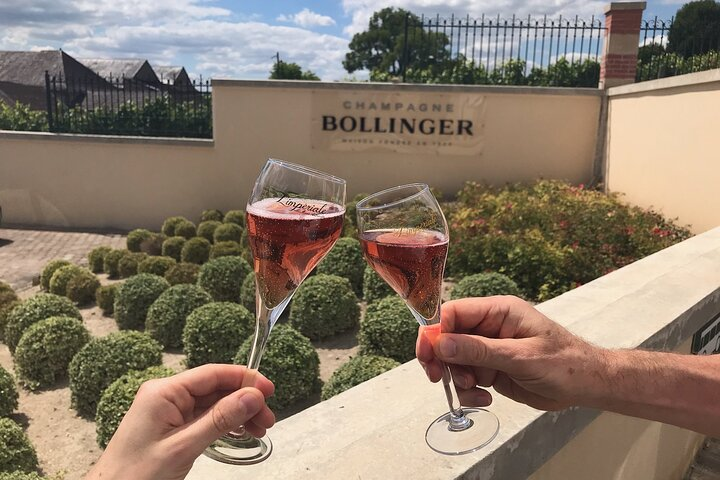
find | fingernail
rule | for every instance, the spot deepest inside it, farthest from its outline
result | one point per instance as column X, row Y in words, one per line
column 448, row 347
column 251, row 403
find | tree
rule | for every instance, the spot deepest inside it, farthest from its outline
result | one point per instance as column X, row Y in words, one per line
column 290, row 71
column 695, row 29
column 383, row 48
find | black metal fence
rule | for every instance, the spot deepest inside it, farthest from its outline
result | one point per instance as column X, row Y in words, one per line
column 121, row 106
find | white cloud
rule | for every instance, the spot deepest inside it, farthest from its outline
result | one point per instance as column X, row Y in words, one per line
column 307, row 18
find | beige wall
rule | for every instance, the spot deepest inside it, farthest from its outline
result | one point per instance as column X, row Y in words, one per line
column 662, row 147
column 79, row 181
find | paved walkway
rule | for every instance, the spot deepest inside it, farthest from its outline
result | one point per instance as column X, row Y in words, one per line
column 23, row 253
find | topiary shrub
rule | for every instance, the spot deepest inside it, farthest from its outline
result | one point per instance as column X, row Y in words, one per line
column 172, row 247
column 185, row 229
column 323, row 306
column 49, row 270
column 7, row 294
column 117, row 398
column 356, row 371
column 134, row 297
column 156, row 265
column 46, row 348
column 182, row 273
column 16, row 452
column 105, row 298
column 388, row 329
column 484, row 285
column 196, row 250
column 128, row 264
column 168, row 226
column 374, row 287
column 8, row 393
column 222, row 278
column 4, row 314
column 136, row 238
column 206, row 229
column 104, row 360
column 33, row 310
column 211, row 216
column 247, row 292
column 61, row 277
column 96, row 258
column 213, row 333
column 167, row 315
column 235, row 216
column 228, row 232
column 153, row 244
column 290, row 362
column 82, row 287
column 110, row 265
column 345, row 260
column 226, row 249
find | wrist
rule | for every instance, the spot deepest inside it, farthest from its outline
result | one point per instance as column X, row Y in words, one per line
column 601, row 366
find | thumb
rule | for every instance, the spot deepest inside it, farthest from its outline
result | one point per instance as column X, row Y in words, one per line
column 227, row 414
column 477, row 351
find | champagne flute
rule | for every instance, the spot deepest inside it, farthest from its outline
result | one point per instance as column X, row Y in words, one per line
column 404, row 238
column 294, row 217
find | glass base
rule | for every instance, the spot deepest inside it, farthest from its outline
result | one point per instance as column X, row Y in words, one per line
column 239, row 449
column 483, row 429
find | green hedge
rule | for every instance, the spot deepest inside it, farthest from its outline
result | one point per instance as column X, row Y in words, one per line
column 484, row 285
column 4, row 314
column 356, row 371
column 185, row 229
column 222, row 278
column 156, row 265
column 247, row 292
column 96, row 258
column 214, row 332
column 235, row 216
column 82, row 287
column 167, row 315
column 105, row 298
column 61, row 277
column 196, row 250
column 110, row 265
column 182, row 273
column 172, row 247
column 170, row 224
column 228, row 232
column 8, row 393
column 134, row 297
column 49, row 270
column 374, row 287
column 128, row 264
column 388, row 329
column 345, row 260
column 207, row 228
column 136, row 238
column 213, row 215
column 226, row 249
column 36, row 309
column 16, row 452
column 323, row 306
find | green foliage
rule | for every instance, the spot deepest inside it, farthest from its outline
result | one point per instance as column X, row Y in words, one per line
column 103, row 360
column 290, row 71
column 484, row 285
column 235, row 216
column 117, row 398
column 134, row 297
column 172, row 247
column 7, row 294
column 226, row 249
column 96, row 258
column 206, row 229
column 26, row 476
column 46, row 348
column 61, row 277
column 185, row 229
column 345, row 260
column 49, row 270
column 214, row 215
column 33, row 310
column 8, row 393
column 213, row 333
column 290, row 362
column 169, row 225
column 196, row 250
column 247, row 292
column 374, row 287
column 4, row 314
column 388, row 329
column 167, row 315
column 156, row 265
column 16, row 452
column 323, row 306
column 222, row 278
column 112, row 259
column 82, row 286
column 20, row 117
column 228, row 232
column 136, row 238
column 695, row 29
column 153, row 244
column 356, row 371
column 182, row 273
column 671, row 64
column 105, row 298
column 128, row 264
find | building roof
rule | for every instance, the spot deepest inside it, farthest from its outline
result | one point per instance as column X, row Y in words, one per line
column 114, row 67
column 28, row 68
column 168, row 72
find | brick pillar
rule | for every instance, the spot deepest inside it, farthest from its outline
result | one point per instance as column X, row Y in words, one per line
column 619, row 61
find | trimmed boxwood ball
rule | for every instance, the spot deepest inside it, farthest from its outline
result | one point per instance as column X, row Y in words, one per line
column 96, row 258
column 4, row 314
column 153, row 244
column 167, row 315
column 110, row 265
column 247, row 292
column 345, row 260
column 156, row 265
column 7, row 294
column 46, row 348
column 61, row 277
column 222, row 278
column 134, row 297
column 103, row 360
column 172, row 247
column 323, row 306
column 226, row 249
column 389, row 329
column 374, row 287
column 484, row 285
column 16, row 452
column 356, row 371
column 182, row 273
column 33, row 310
column 49, row 270
column 185, row 229
column 206, row 229
column 117, row 398
column 82, row 287
column 228, row 232
column 235, row 216
column 196, row 250
column 105, row 298
column 213, row 333
column 136, row 238
column 214, row 215
column 168, row 226
column 290, row 362
column 128, row 264
column 8, row 393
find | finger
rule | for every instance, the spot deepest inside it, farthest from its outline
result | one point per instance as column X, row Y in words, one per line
column 255, row 430
column 485, row 316
column 474, row 350
column 474, row 397
column 209, row 378
column 485, row 377
column 463, row 376
column 423, row 346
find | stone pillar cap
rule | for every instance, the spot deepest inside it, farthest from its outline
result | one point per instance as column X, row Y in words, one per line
column 624, row 6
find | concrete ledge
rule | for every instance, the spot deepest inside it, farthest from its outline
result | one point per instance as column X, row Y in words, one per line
column 74, row 137
column 689, row 79
column 376, row 430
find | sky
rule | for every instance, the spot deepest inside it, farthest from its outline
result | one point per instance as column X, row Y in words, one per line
column 239, row 39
